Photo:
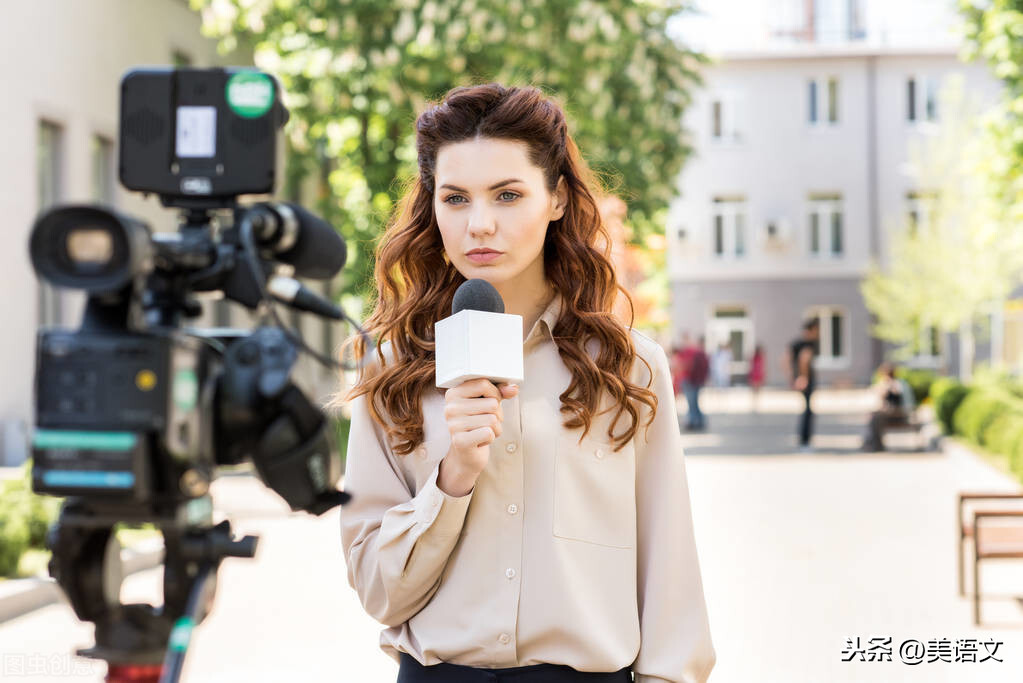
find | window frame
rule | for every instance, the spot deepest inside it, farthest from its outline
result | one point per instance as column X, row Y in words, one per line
column 828, row 361
column 825, row 208
column 731, row 213
column 824, row 101
column 50, row 300
column 922, row 107
column 726, row 124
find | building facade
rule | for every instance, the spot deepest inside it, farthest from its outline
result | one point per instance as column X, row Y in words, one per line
column 799, row 169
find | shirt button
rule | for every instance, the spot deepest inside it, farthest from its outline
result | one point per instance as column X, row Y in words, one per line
column 600, row 453
column 511, row 447
column 510, row 573
column 504, row 638
column 512, row 509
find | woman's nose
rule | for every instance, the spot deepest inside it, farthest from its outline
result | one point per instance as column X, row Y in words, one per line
column 481, row 220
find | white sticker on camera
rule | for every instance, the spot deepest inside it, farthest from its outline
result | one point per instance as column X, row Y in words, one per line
column 197, row 132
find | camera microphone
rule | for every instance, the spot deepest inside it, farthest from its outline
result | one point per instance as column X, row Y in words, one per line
column 299, row 238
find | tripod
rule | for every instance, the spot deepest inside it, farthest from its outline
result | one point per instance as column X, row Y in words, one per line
column 139, row 642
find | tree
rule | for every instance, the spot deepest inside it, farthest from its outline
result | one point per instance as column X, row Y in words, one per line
column 994, row 31
column 943, row 272
column 357, row 72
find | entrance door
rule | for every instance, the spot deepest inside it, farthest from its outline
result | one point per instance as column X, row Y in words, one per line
column 732, row 327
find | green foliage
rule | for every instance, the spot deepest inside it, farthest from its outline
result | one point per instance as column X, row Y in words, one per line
column 14, row 535
column 358, row 72
column 946, row 395
column 942, row 272
column 919, row 380
column 24, row 519
column 993, row 31
column 342, row 426
column 1005, row 433
column 979, row 410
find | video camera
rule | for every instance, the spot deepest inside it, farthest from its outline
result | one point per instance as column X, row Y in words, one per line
column 134, row 411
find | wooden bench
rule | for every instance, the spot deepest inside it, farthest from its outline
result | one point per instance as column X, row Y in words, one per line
column 991, row 539
column 912, row 423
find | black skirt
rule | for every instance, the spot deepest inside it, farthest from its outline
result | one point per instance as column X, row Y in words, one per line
column 411, row 671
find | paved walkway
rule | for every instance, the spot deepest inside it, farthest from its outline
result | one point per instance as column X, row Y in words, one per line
column 799, row 553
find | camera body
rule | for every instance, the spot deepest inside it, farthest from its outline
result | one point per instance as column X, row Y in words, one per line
column 134, row 410
column 195, row 134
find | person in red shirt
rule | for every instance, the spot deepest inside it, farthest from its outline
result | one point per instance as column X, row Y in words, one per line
column 756, row 373
column 693, row 367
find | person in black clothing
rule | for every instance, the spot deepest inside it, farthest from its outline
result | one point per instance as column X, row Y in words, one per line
column 803, row 380
column 893, row 409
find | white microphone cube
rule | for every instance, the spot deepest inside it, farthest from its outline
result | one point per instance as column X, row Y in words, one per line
column 473, row 344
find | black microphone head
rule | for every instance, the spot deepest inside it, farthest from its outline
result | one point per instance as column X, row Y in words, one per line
column 477, row 295
column 320, row 252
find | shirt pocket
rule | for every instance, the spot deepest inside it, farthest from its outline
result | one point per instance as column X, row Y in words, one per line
column 594, row 492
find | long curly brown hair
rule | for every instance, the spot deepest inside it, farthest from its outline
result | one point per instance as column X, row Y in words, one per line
column 416, row 281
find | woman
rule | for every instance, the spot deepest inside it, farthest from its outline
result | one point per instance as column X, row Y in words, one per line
column 756, row 373
column 517, row 533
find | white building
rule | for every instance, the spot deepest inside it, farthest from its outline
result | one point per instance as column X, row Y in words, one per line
column 800, row 155
column 61, row 62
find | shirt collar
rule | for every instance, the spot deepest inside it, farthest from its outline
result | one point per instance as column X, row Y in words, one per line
column 545, row 323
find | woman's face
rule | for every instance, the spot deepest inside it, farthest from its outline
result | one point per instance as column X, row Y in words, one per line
column 489, row 195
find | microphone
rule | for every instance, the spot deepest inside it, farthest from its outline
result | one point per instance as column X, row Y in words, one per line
column 478, row 340
column 299, row 238
column 292, row 292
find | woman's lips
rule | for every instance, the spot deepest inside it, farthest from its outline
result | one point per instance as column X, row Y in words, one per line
column 484, row 257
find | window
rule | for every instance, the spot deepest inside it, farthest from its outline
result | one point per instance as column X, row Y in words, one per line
column 822, row 98
column 920, row 208
column 921, row 99
column 49, row 158
column 729, row 227
column 833, row 344
column 731, row 326
column 102, row 154
column 929, row 343
column 724, row 118
column 825, row 227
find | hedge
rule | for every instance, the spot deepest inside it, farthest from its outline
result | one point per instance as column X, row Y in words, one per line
column 946, row 394
column 24, row 519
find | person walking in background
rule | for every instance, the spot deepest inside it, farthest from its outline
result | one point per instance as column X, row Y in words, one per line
column 756, row 373
column 695, row 367
column 804, row 380
column 721, row 366
column 677, row 363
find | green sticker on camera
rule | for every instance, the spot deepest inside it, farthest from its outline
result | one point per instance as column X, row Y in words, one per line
column 250, row 94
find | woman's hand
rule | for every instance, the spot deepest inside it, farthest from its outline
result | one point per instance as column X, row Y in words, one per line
column 474, row 416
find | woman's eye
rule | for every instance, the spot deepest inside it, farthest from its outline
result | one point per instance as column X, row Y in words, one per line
column 450, row 200
column 510, row 196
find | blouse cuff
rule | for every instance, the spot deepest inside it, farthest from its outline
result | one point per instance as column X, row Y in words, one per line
column 442, row 514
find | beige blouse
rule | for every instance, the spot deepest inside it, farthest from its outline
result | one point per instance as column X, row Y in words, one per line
column 563, row 552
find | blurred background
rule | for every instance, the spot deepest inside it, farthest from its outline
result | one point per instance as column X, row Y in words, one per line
column 764, row 164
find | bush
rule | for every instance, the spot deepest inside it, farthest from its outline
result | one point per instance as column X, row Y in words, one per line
column 946, row 394
column 919, row 381
column 977, row 411
column 14, row 536
column 1004, row 433
column 25, row 519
